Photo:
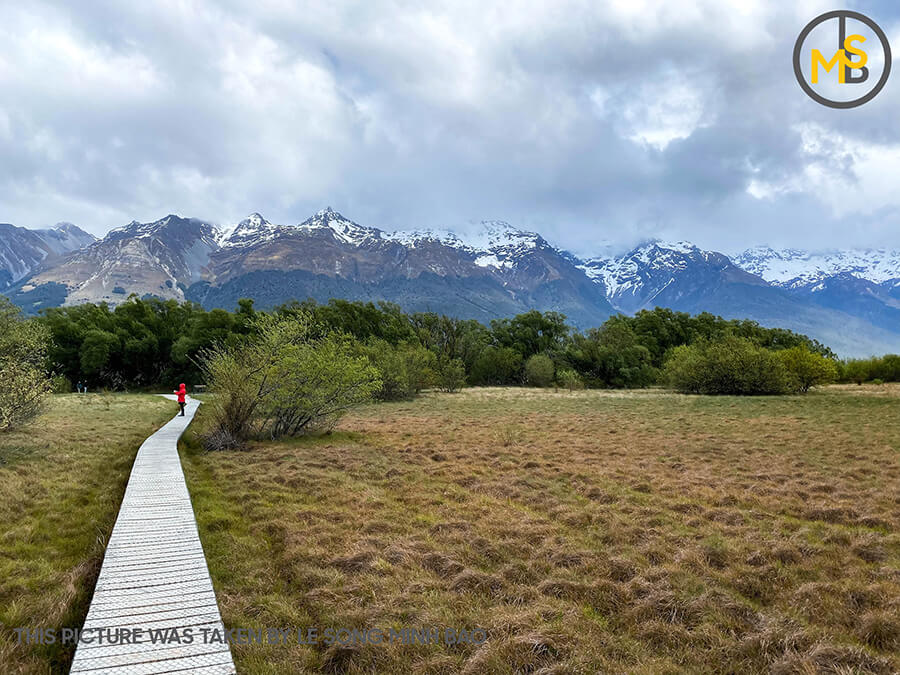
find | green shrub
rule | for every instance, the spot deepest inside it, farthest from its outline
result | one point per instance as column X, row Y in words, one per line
column 539, row 371
column 569, row 379
column 877, row 380
column 283, row 382
column 451, row 376
column 497, row 365
column 60, row 384
column 885, row 368
column 611, row 356
column 405, row 369
column 807, row 369
column 858, row 370
column 24, row 384
column 730, row 365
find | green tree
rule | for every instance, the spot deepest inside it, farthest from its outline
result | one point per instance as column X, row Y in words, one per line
column 24, row 383
column 858, row 370
column 731, row 365
column 531, row 333
column 539, row 370
column 97, row 349
column 284, row 381
column 807, row 369
column 611, row 356
column 451, row 376
column 497, row 366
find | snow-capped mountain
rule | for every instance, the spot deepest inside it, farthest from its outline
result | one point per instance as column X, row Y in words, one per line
column 63, row 238
column 793, row 268
column 498, row 271
column 495, row 243
column 161, row 258
column 852, row 315
column 330, row 222
column 639, row 278
column 22, row 250
column 849, row 300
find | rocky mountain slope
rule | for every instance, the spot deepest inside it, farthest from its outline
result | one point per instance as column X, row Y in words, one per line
column 329, row 256
column 161, row 258
column 22, row 250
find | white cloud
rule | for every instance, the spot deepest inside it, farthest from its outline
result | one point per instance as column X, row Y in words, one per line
column 666, row 109
column 590, row 121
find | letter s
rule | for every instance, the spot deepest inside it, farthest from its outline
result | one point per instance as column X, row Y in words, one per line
column 848, row 47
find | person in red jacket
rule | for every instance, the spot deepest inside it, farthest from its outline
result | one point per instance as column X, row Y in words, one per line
column 182, row 393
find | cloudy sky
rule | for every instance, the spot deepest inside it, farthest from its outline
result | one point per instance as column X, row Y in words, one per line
column 586, row 120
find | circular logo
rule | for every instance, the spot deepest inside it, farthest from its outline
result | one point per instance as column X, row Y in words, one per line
column 840, row 59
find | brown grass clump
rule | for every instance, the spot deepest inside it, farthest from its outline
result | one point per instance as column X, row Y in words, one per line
column 881, row 629
column 340, row 659
column 531, row 653
column 825, row 659
column 354, row 563
column 472, row 581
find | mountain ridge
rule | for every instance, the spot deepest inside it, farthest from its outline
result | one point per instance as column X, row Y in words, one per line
column 23, row 250
column 498, row 270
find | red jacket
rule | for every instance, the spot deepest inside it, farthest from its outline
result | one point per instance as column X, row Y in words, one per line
column 182, row 392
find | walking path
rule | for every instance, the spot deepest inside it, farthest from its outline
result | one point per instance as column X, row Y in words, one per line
column 154, row 576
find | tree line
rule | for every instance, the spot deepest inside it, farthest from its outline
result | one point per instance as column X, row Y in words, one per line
column 309, row 361
column 145, row 343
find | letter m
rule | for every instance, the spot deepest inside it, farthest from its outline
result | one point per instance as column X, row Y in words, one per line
column 817, row 58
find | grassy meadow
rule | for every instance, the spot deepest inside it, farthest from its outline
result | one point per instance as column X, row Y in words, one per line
column 587, row 531
column 62, row 479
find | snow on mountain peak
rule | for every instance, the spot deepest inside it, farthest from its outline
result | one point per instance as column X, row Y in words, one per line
column 252, row 230
column 66, row 237
column 626, row 273
column 677, row 246
column 496, row 234
column 490, row 237
column 410, row 238
column 343, row 229
column 791, row 267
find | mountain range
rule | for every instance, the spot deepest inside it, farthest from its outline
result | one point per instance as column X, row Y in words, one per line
column 849, row 300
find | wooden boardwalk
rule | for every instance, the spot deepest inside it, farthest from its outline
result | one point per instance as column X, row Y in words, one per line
column 154, row 576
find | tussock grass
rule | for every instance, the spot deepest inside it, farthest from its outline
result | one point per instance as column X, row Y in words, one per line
column 61, row 482
column 587, row 531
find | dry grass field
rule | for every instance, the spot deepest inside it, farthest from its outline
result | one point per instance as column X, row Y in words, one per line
column 61, row 483
column 638, row 532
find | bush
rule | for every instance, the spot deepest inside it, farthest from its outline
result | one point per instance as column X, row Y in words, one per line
column 60, row 384
column 497, row 365
column 405, row 369
column 857, row 371
column 451, row 375
column 24, row 384
column 885, row 368
column 283, row 382
column 730, row 365
column 539, row 371
column 569, row 379
column 807, row 369
column 611, row 356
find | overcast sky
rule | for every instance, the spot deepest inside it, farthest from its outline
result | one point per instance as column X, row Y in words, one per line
column 588, row 121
